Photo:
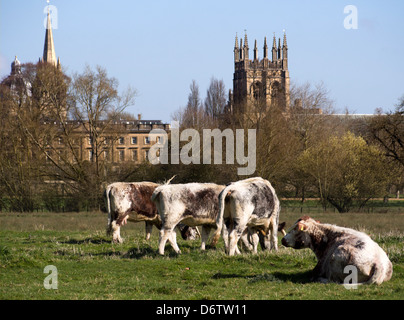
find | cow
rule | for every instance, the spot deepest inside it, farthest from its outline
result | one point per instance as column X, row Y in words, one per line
column 130, row 201
column 336, row 248
column 248, row 204
column 193, row 204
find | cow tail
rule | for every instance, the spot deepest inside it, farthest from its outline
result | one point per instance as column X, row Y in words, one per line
column 155, row 195
column 377, row 274
column 219, row 218
column 108, row 204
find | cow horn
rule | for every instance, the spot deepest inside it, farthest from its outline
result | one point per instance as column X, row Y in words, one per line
column 168, row 182
column 197, row 231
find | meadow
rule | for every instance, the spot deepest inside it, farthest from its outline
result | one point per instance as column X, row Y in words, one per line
column 89, row 266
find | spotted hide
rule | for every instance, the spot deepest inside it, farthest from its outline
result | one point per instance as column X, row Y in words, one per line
column 131, row 201
column 336, row 248
column 249, row 204
column 193, row 204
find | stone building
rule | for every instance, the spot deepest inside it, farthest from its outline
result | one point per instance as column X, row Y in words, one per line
column 260, row 83
column 122, row 141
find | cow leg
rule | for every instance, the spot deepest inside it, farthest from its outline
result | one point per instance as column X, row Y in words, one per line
column 173, row 241
column 273, row 229
column 116, row 232
column 245, row 240
column 164, row 235
column 225, row 234
column 171, row 236
column 265, row 241
column 205, row 236
column 149, row 227
column 254, row 239
column 234, row 236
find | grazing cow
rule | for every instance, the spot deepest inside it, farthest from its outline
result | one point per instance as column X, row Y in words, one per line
column 335, row 248
column 130, row 201
column 252, row 204
column 193, row 204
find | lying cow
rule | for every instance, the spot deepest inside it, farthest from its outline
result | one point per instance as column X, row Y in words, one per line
column 335, row 248
column 193, row 204
column 130, row 201
column 248, row 204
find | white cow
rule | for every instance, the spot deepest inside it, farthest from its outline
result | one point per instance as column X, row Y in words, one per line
column 336, row 248
column 248, row 204
column 193, row 204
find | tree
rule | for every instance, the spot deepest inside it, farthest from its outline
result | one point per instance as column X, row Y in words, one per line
column 96, row 105
column 387, row 132
column 21, row 162
column 215, row 101
column 55, row 144
column 194, row 116
column 346, row 171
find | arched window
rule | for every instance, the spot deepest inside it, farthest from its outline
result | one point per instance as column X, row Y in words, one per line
column 257, row 90
column 277, row 94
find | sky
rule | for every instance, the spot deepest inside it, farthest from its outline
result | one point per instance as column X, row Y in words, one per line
column 158, row 47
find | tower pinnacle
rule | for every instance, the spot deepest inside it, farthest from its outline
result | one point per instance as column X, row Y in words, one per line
column 49, row 54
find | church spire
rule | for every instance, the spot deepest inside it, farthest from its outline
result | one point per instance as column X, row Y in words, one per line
column 49, row 54
column 265, row 48
column 274, row 50
column 236, row 50
column 246, row 48
column 284, row 47
column 255, row 51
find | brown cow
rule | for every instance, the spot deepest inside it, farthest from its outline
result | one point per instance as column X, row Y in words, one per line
column 130, row 201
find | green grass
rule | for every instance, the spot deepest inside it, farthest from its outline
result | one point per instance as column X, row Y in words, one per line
column 90, row 267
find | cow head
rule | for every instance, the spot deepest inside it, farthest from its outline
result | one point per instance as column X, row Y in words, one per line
column 188, row 233
column 298, row 236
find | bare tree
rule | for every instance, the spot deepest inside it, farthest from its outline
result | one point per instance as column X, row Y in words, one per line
column 93, row 101
column 97, row 105
column 387, row 132
column 215, row 101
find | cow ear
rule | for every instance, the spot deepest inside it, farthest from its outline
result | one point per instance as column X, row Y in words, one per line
column 301, row 226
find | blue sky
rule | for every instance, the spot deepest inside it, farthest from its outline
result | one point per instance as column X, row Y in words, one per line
column 158, row 47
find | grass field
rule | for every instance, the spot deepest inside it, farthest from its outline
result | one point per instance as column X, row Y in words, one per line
column 90, row 267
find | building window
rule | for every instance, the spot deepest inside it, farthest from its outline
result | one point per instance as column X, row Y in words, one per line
column 90, row 155
column 121, row 140
column 134, row 140
column 121, row 155
column 146, row 140
column 106, row 155
column 134, row 155
column 146, row 154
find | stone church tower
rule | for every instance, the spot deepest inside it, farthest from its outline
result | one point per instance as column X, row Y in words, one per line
column 259, row 84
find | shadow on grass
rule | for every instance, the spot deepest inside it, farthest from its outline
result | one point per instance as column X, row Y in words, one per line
column 86, row 241
column 297, row 277
column 148, row 252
